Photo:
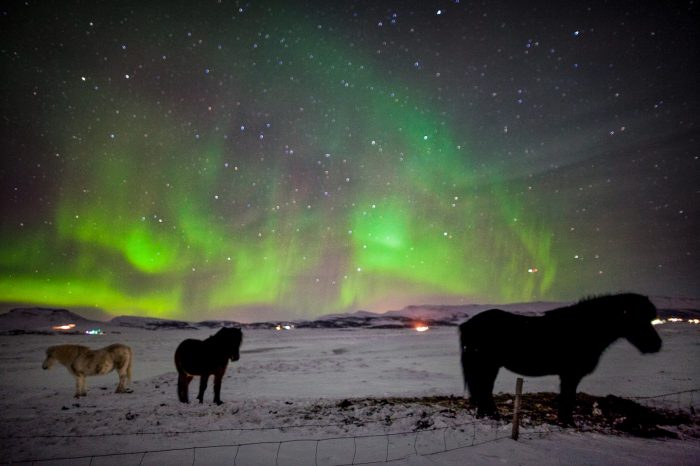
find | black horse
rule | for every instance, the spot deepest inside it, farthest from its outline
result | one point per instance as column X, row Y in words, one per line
column 204, row 358
column 566, row 342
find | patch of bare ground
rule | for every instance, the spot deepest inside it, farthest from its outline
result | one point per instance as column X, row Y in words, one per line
column 603, row 414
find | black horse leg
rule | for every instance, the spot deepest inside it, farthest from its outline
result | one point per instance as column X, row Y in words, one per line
column 567, row 398
column 488, row 378
column 183, row 383
column 218, row 375
column 203, row 379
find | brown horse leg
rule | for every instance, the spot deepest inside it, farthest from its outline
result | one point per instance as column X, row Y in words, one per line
column 183, row 384
column 121, row 388
column 567, row 398
column 218, row 375
column 80, row 386
column 203, row 379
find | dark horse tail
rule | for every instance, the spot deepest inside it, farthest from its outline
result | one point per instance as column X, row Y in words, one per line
column 467, row 347
column 479, row 351
column 184, row 378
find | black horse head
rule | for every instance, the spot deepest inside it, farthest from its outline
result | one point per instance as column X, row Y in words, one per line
column 635, row 316
column 230, row 338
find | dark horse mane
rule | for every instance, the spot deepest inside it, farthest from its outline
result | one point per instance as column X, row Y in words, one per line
column 219, row 339
column 600, row 305
column 606, row 298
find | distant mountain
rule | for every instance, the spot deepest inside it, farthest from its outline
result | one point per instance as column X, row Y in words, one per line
column 151, row 323
column 667, row 304
column 455, row 314
column 42, row 320
column 425, row 314
column 39, row 318
column 217, row 323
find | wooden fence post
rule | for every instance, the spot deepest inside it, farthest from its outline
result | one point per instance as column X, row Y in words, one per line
column 516, row 408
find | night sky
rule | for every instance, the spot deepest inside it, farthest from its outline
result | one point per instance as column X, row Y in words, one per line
column 258, row 160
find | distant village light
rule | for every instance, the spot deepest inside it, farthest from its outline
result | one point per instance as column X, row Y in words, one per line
column 63, row 327
column 674, row 320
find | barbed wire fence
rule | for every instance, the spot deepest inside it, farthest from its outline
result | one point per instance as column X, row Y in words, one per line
column 364, row 449
column 684, row 400
column 352, row 449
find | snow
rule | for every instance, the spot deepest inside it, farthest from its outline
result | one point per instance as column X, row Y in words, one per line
column 325, row 396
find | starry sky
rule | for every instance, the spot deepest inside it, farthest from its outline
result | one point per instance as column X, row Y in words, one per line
column 259, row 160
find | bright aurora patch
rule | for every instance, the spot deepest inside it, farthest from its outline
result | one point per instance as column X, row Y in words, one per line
column 244, row 160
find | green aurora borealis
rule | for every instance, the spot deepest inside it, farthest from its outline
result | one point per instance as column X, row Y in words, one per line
column 264, row 162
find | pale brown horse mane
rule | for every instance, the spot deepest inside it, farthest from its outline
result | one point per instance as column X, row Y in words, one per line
column 66, row 354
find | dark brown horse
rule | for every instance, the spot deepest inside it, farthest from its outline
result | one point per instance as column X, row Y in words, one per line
column 204, row 358
column 566, row 342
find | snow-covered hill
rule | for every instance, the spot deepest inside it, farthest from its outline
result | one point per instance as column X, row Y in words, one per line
column 151, row 323
column 433, row 315
column 41, row 319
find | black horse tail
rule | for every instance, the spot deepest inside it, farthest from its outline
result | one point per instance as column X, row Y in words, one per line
column 463, row 342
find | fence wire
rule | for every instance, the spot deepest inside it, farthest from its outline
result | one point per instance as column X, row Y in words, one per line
column 684, row 400
column 393, row 445
column 444, row 439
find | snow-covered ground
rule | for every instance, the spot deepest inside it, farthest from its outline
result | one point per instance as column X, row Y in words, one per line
column 318, row 396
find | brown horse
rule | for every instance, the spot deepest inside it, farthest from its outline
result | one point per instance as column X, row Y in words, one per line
column 204, row 358
column 566, row 342
column 81, row 361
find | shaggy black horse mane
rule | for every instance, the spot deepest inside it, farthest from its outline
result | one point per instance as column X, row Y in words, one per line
column 597, row 303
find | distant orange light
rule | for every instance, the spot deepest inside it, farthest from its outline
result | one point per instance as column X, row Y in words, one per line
column 63, row 327
column 422, row 328
column 674, row 320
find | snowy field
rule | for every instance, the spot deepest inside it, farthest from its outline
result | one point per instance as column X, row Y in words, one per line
column 301, row 397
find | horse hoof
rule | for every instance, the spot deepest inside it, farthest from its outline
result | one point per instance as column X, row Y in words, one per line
column 495, row 415
column 567, row 422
